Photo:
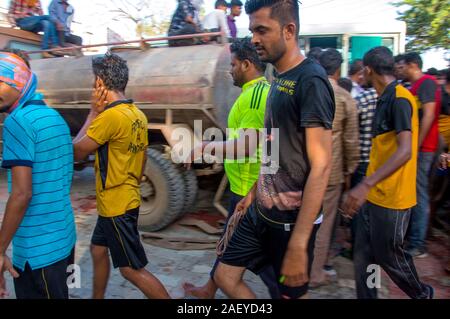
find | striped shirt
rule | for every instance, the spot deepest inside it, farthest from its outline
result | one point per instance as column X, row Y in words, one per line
column 367, row 104
column 345, row 155
column 37, row 136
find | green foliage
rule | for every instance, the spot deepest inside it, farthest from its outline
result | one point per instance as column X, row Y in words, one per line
column 152, row 28
column 428, row 23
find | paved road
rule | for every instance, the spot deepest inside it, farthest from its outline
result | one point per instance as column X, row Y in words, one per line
column 174, row 267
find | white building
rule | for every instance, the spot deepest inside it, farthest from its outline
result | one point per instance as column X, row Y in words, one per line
column 353, row 40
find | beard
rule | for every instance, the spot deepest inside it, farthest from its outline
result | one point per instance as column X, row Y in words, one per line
column 275, row 53
column 237, row 80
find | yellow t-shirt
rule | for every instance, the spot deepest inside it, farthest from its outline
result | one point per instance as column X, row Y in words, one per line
column 121, row 130
column 444, row 128
column 396, row 111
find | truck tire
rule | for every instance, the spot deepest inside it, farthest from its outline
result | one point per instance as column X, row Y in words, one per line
column 190, row 190
column 162, row 193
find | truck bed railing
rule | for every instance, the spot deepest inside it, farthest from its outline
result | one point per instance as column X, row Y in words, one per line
column 141, row 41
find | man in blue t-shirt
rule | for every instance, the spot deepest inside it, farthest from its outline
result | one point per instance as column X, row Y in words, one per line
column 38, row 219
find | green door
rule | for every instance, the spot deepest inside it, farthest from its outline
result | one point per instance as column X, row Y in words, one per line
column 361, row 44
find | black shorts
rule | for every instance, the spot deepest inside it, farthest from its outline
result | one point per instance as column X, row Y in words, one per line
column 121, row 236
column 257, row 243
column 45, row 283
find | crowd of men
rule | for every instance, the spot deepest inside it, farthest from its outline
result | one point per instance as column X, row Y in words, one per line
column 186, row 20
column 56, row 26
column 362, row 147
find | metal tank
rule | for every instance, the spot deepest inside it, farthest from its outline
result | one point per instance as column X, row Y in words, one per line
column 193, row 81
column 173, row 86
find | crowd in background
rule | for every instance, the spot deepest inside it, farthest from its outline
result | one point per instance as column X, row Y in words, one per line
column 431, row 89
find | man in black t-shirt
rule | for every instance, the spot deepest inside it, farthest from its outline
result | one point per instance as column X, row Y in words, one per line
column 283, row 210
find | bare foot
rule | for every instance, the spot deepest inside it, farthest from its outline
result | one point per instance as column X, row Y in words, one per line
column 197, row 292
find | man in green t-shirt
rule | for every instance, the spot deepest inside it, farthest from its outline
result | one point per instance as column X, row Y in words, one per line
column 246, row 118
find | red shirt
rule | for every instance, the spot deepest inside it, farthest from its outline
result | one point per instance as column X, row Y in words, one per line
column 427, row 90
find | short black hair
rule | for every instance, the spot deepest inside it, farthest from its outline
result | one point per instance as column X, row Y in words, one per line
column 113, row 70
column 21, row 54
column 399, row 58
column 284, row 11
column 331, row 60
column 236, row 3
column 315, row 53
column 221, row 3
column 244, row 49
column 381, row 60
column 414, row 58
column 433, row 72
column 356, row 66
column 346, row 84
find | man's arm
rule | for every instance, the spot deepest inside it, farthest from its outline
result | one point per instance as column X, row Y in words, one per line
column 351, row 149
column 224, row 24
column 83, row 145
column 144, row 163
column 16, row 207
column 358, row 195
column 318, row 147
column 245, row 203
column 17, row 204
column 188, row 18
column 247, row 136
column 244, row 146
column 53, row 13
column 427, row 97
column 428, row 114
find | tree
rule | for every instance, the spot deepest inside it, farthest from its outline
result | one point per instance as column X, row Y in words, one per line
column 149, row 17
column 428, row 23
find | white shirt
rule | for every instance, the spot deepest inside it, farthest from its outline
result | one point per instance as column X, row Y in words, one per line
column 198, row 6
column 356, row 90
column 216, row 19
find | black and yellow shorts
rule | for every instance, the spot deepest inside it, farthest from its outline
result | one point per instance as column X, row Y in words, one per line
column 121, row 236
column 49, row 282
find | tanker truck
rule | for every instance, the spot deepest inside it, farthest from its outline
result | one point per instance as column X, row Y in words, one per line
column 173, row 86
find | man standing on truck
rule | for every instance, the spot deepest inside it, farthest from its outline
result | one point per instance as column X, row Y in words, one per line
column 61, row 13
column 283, row 209
column 28, row 16
column 247, row 114
column 235, row 11
column 216, row 20
column 117, row 131
column 38, row 217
